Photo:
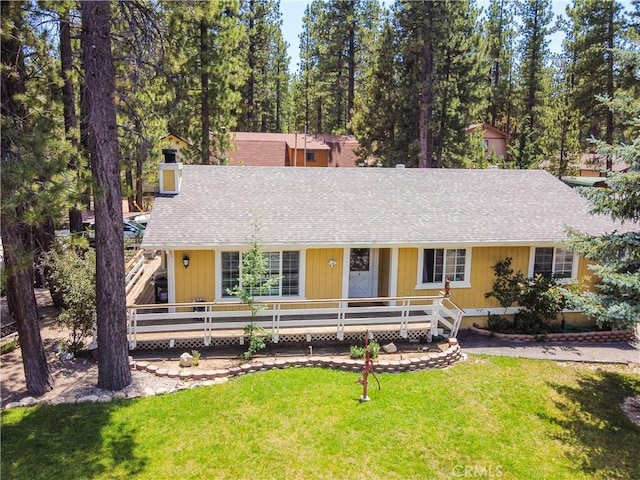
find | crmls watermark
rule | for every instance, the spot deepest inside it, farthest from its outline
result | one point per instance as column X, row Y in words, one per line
column 477, row 471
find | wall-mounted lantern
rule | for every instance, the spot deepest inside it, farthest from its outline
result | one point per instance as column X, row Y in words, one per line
column 185, row 261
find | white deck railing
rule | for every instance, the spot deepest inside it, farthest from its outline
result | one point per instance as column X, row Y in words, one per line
column 207, row 319
column 133, row 271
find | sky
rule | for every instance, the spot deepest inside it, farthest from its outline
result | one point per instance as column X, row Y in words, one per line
column 293, row 11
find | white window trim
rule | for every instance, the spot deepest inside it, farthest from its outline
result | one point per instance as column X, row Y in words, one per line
column 453, row 284
column 574, row 264
column 301, row 276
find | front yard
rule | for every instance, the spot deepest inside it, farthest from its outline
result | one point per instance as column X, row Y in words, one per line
column 489, row 417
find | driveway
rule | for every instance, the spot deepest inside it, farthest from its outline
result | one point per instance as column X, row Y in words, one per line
column 615, row 352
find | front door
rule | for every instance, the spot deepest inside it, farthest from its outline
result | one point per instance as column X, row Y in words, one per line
column 361, row 273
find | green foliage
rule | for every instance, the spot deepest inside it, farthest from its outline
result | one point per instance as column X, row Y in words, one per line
column 374, row 349
column 8, row 347
column 357, row 352
column 196, row 358
column 335, row 49
column 204, row 60
column 507, row 285
column 73, row 277
column 254, row 280
column 258, row 337
column 540, row 299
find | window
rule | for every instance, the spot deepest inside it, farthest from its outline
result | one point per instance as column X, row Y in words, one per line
column 441, row 263
column 553, row 262
column 311, row 156
column 285, row 264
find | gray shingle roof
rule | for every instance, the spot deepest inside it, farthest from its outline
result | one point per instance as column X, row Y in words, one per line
column 366, row 206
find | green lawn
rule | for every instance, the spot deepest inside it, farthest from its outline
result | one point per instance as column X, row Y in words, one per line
column 485, row 418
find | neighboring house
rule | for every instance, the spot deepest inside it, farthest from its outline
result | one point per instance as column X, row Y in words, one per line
column 281, row 149
column 172, row 140
column 595, row 165
column 495, row 140
column 292, row 150
column 589, row 171
column 362, row 233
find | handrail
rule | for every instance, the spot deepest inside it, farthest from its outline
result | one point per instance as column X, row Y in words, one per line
column 226, row 303
column 339, row 313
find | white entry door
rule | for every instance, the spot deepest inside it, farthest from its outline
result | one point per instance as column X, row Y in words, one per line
column 361, row 273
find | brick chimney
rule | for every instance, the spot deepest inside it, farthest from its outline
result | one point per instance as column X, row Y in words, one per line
column 170, row 173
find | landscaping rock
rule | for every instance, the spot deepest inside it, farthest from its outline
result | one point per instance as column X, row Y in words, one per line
column 28, row 402
column 390, row 348
column 186, row 359
column 88, row 399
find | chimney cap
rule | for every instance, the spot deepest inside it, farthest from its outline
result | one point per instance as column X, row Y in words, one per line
column 169, row 155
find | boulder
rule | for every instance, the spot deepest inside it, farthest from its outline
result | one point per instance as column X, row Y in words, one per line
column 390, row 348
column 186, row 360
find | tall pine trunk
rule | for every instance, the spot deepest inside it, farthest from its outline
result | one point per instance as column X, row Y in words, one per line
column 16, row 237
column 113, row 362
column 204, row 85
column 426, row 107
column 70, row 118
column 610, row 85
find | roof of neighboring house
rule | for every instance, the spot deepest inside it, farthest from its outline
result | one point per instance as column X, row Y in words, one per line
column 175, row 136
column 574, row 181
column 343, row 149
column 366, row 206
column 496, row 132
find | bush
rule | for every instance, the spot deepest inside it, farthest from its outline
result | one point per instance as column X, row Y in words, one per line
column 196, row 358
column 73, row 277
column 540, row 299
column 8, row 347
column 499, row 323
column 356, row 352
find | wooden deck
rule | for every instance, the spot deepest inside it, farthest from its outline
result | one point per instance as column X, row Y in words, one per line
column 143, row 291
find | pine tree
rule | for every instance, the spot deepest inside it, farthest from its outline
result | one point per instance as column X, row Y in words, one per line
column 99, row 96
column 441, row 73
column 137, row 37
column 595, row 26
column 534, row 78
column 33, row 159
column 334, row 52
column 267, row 72
column 374, row 120
column 204, row 64
column 616, row 255
column 500, row 37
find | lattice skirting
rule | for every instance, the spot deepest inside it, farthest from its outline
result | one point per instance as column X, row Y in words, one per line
column 349, row 339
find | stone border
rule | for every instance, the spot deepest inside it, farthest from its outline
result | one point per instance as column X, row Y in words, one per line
column 600, row 337
column 452, row 355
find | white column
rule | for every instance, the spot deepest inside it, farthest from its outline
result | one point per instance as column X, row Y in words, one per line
column 393, row 274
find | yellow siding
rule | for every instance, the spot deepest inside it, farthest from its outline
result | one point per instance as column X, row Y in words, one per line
column 482, row 259
column 197, row 281
column 482, row 275
column 323, row 281
column 383, row 274
column 169, row 181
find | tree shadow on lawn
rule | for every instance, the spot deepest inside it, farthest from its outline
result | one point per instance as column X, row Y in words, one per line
column 604, row 442
column 69, row 441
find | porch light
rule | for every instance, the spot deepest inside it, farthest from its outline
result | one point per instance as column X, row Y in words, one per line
column 332, row 263
column 185, row 261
